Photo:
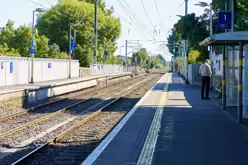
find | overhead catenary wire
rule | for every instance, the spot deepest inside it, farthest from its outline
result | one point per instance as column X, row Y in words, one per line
column 131, row 18
column 48, row 1
column 146, row 13
column 134, row 16
column 34, row 2
column 124, row 19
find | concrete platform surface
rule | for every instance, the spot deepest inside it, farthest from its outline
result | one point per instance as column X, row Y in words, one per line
column 136, row 133
column 198, row 132
column 174, row 128
column 45, row 84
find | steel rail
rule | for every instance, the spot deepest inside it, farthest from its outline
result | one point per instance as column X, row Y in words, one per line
column 54, row 101
column 93, row 115
column 46, row 117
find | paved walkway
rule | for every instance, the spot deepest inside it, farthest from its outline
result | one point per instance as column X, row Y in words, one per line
column 198, row 132
column 128, row 140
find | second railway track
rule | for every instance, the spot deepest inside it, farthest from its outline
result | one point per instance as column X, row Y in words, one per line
column 17, row 138
column 21, row 120
column 74, row 145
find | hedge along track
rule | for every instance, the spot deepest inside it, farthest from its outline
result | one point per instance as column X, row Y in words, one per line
column 39, row 117
column 96, row 118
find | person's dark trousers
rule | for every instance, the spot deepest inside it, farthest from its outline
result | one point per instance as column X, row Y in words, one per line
column 205, row 85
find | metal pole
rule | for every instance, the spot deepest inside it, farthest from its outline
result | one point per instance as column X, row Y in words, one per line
column 211, row 32
column 96, row 31
column 232, row 8
column 70, row 52
column 186, row 45
column 75, row 40
column 224, row 61
column 32, row 62
column 224, row 79
column 240, row 86
column 126, row 55
column 211, row 20
column 53, row 50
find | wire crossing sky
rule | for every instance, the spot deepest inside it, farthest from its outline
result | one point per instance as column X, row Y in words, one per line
column 144, row 20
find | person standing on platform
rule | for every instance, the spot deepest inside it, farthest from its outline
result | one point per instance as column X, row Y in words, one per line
column 205, row 72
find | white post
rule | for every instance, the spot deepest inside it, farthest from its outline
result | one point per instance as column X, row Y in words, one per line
column 32, row 62
column 70, row 52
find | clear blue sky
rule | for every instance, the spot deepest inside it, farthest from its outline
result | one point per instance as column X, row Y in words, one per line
column 20, row 11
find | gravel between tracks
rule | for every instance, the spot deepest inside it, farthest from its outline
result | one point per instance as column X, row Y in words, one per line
column 6, row 110
column 41, row 112
column 123, row 105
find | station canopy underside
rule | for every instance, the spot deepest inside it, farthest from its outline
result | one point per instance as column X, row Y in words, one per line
column 226, row 39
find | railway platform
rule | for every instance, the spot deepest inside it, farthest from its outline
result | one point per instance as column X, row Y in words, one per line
column 33, row 93
column 172, row 125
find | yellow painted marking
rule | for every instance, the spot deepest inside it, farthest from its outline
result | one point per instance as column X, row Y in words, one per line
column 223, row 82
column 240, row 88
column 232, row 82
column 240, row 63
column 163, row 99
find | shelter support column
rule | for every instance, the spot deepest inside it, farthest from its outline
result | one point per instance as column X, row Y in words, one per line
column 224, row 63
column 240, row 85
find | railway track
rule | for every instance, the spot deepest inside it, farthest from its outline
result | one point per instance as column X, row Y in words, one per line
column 22, row 139
column 16, row 122
column 76, row 143
column 57, row 99
column 102, row 114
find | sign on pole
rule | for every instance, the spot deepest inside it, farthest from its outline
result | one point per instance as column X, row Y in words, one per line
column 225, row 20
column 105, row 55
column 32, row 51
column 73, row 46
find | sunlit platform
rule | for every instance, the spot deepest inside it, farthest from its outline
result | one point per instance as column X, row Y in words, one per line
column 172, row 125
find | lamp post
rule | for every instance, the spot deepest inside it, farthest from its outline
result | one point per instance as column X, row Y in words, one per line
column 70, row 51
column 204, row 4
column 96, row 31
column 185, row 60
column 39, row 10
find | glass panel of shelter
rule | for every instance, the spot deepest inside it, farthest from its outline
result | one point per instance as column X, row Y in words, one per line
column 232, row 76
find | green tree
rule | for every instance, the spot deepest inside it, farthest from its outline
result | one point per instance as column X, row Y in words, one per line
column 5, row 51
column 172, row 39
column 142, row 57
column 7, row 37
column 194, row 57
column 23, row 40
column 55, row 25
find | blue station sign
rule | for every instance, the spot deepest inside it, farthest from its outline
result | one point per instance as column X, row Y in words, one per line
column 32, row 51
column 225, row 20
column 73, row 46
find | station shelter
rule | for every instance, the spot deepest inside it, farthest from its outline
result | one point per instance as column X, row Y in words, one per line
column 235, row 69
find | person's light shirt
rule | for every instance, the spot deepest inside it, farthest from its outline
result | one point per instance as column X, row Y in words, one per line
column 205, row 70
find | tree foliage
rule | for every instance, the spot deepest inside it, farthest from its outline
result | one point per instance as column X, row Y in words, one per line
column 195, row 28
column 172, row 39
column 142, row 57
column 56, row 22
column 17, row 42
column 157, row 62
